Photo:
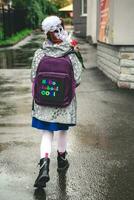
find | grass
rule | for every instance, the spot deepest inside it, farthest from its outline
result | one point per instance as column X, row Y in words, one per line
column 1, row 32
column 15, row 38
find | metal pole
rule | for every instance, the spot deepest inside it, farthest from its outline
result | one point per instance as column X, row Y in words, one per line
column 3, row 22
column 9, row 21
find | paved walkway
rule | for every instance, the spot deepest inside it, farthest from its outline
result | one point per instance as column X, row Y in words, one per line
column 100, row 148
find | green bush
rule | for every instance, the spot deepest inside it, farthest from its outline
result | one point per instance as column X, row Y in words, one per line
column 16, row 38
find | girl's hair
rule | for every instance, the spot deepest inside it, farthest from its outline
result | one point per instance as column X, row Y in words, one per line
column 62, row 23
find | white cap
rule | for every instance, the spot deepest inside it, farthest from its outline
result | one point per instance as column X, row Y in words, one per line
column 50, row 23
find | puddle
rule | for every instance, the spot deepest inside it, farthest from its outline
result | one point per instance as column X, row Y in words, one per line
column 14, row 59
column 20, row 57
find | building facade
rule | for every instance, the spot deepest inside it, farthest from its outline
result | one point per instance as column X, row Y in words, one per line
column 109, row 24
column 80, row 17
column 116, row 41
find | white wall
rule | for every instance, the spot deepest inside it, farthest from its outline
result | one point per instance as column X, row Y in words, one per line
column 123, row 22
column 92, row 19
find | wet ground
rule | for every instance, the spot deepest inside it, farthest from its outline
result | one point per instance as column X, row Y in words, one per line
column 100, row 148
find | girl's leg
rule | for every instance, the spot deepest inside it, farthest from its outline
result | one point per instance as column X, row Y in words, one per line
column 62, row 141
column 46, row 144
column 45, row 151
column 62, row 162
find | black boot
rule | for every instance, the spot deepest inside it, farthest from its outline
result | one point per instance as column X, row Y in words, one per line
column 62, row 162
column 43, row 176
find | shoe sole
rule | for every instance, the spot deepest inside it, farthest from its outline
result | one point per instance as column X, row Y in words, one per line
column 42, row 182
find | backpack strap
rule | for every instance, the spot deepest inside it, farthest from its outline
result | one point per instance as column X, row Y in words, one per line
column 78, row 54
column 70, row 51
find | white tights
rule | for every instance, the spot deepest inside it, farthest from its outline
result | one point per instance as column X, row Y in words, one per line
column 46, row 142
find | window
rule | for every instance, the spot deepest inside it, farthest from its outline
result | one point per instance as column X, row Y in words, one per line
column 84, row 7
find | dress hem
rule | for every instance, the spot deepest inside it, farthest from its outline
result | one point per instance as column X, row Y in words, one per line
column 51, row 126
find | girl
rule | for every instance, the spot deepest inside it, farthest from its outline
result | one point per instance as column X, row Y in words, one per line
column 51, row 119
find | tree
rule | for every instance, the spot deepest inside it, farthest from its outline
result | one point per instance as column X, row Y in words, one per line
column 37, row 10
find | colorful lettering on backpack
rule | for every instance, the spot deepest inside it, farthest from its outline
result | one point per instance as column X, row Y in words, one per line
column 49, row 88
column 48, row 93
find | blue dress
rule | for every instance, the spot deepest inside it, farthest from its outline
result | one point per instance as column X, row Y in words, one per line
column 50, row 126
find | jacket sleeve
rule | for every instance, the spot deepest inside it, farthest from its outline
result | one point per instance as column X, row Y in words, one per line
column 35, row 62
column 77, row 67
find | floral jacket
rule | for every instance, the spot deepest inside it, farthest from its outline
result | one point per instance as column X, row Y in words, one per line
column 65, row 115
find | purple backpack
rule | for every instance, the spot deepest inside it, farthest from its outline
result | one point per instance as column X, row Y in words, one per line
column 54, row 82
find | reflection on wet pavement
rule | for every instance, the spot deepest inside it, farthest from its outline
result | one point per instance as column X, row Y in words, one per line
column 39, row 194
column 61, row 186
column 3, row 146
